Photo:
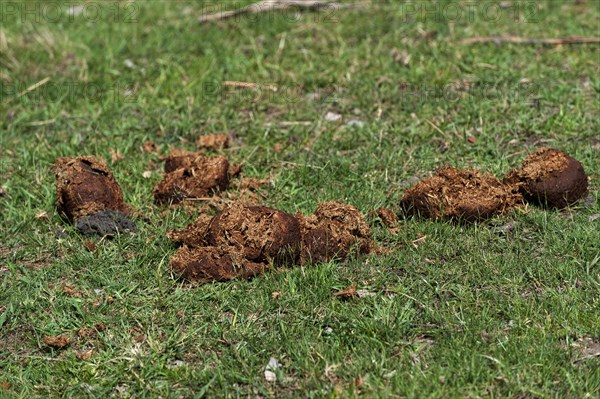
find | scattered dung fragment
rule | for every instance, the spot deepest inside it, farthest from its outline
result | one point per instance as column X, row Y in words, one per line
column 388, row 217
column 346, row 293
column 85, row 186
column 259, row 232
column 149, row 147
column 466, row 195
column 104, row 223
column 180, row 158
column 216, row 141
column 334, row 230
column 550, row 177
column 191, row 175
column 58, row 342
column 204, row 264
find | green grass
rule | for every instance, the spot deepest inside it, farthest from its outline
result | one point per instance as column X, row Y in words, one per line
column 473, row 311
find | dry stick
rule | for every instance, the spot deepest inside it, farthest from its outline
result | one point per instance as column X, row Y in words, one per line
column 273, row 5
column 528, row 40
column 198, row 199
column 248, row 85
column 33, row 87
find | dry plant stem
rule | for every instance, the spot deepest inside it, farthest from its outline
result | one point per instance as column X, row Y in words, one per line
column 272, row 5
column 528, row 40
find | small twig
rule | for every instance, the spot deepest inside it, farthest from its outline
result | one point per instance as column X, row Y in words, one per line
column 277, row 5
column 301, row 165
column 33, row 87
column 289, row 123
column 528, row 40
column 192, row 199
column 248, row 85
column 435, row 127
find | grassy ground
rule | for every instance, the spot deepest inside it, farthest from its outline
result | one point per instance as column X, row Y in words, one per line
column 468, row 311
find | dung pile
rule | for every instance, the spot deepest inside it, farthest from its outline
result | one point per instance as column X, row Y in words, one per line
column 192, row 175
column 259, row 233
column 243, row 240
column 547, row 177
column 333, row 230
column 204, row 264
column 550, row 177
column 89, row 196
column 466, row 195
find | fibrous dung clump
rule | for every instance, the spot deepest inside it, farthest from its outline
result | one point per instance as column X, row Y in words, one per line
column 458, row 194
column 244, row 240
column 89, row 196
column 191, row 175
column 550, row 177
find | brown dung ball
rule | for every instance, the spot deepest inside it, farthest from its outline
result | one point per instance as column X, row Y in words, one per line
column 190, row 175
column 334, row 230
column 465, row 195
column 86, row 186
column 550, row 177
column 258, row 232
column 181, row 158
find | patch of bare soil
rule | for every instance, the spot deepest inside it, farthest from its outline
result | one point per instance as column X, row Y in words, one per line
column 243, row 240
column 587, row 348
column 465, row 195
column 550, row 177
column 16, row 342
column 192, row 175
column 89, row 196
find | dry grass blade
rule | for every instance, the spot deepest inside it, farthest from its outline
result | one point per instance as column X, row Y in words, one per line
column 529, row 40
column 275, row 5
